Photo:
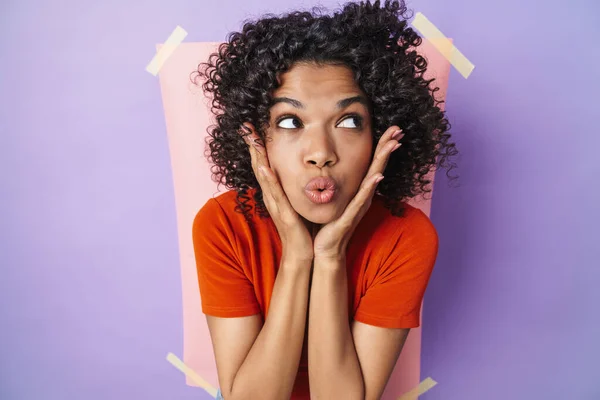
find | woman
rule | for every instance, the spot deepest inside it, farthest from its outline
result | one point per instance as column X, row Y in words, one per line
column 313, row 294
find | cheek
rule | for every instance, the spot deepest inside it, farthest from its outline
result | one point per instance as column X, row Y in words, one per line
column 362, row 156
column 358, row 165
column 280, row 164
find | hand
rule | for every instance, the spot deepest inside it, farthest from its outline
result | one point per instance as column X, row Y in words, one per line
column 296, row 240
column 331, row 240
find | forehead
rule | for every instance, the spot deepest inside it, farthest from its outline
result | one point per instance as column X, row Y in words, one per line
column 311, row 80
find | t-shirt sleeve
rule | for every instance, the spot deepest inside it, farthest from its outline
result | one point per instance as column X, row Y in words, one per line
column 225, row 289
column 394, row 298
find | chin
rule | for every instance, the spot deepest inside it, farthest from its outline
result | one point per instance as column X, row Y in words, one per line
column 317, row 214
column 321, row 216
column 319, row 221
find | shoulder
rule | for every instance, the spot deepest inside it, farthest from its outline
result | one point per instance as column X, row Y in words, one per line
column 412, row 222
column 411, row 235
column 214, row 217
column 220, row 216
column 216, row 207
column 416, row 223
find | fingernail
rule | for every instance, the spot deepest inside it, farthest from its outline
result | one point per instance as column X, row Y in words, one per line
column 396, row 135
column 379, row 179
column 396, row 147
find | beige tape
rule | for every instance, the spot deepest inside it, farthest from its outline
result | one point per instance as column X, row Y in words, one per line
column 166, row 50
column 173, row 359
column 419, row 390
column 443, row 44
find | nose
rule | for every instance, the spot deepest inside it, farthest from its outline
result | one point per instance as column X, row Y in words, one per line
column 320, row 150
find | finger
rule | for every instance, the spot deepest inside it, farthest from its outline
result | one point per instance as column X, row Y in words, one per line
column 257, row 161
column 276, row 193
column 267, row 177
column 391, row 134
column 280, row 200
column 388, row 143
column 358, row 206
column 254, row 159
column 270, row 195
column 361, row 202
column 256, row 155
column 273, row 193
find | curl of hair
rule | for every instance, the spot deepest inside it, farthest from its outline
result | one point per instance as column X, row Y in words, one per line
column 376, row 43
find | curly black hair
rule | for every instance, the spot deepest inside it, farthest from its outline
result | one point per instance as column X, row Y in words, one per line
column 376, row 43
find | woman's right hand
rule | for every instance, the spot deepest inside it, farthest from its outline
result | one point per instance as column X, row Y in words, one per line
column 296, row 240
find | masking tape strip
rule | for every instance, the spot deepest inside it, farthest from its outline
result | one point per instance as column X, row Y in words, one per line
column 443, row 44
column 419, row 390
column 166, row 50
column 177, row 363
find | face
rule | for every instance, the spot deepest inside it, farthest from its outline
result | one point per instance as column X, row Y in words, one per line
column 319, row 126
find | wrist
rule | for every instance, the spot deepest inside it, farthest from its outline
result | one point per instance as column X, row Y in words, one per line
column 296, row 260
column 330, row 261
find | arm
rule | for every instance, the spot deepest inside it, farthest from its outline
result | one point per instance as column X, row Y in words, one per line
column 344, row 362
column 378, row 350
column 333, row 366
column 262, row 363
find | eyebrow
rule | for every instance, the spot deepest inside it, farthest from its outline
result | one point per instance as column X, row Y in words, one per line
column 340, row 104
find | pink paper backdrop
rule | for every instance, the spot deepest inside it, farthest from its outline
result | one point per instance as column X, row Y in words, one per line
column 187, row 117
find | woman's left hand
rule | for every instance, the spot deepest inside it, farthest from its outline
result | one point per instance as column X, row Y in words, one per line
column 331, row 240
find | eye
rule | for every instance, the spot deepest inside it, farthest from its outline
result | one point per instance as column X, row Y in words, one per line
column 293, row 122
column 356, row 119
column 289, row 122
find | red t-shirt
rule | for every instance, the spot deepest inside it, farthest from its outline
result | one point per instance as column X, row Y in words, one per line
column 389, row 262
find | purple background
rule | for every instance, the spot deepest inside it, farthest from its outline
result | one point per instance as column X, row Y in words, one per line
column 90, row 294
